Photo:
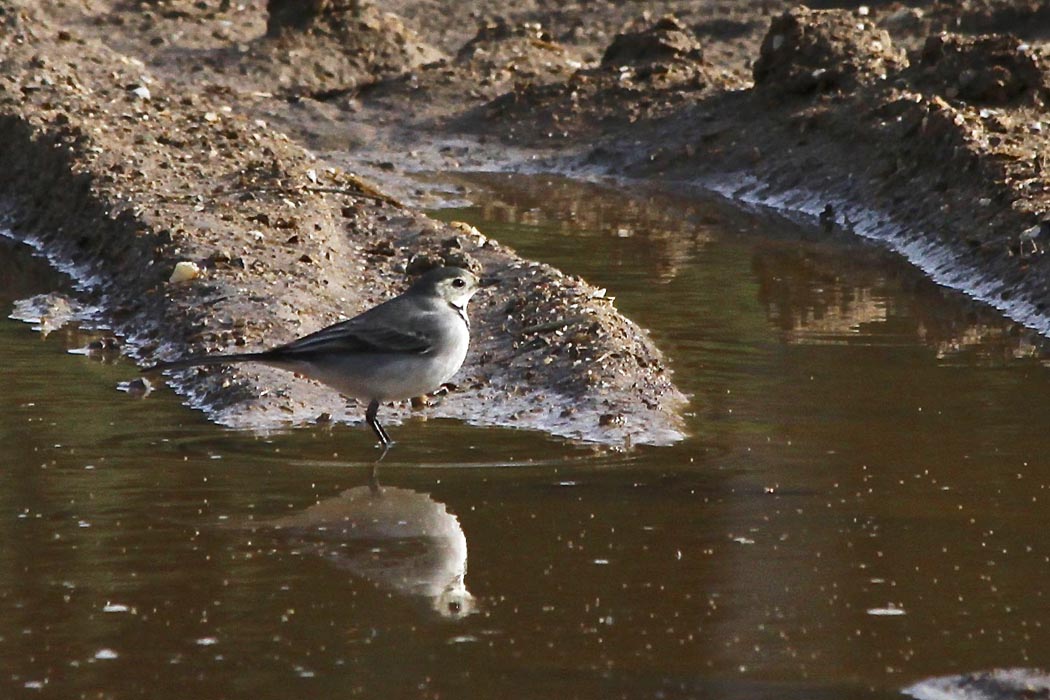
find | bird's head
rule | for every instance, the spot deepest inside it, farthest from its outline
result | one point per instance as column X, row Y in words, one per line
column 452, row 284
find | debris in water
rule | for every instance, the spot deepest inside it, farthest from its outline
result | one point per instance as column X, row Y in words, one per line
column 47, row 312
column 889, row 610
column 138, row 387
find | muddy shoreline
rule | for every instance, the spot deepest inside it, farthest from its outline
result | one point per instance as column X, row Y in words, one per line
column 272, row 150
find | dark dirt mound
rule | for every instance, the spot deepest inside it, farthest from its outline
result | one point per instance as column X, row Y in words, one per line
column 643, row 74
column 1028, row 19
column 666, row 42
column 992, row 70
column 808, row 50
column 325, row 47
column 918, row 145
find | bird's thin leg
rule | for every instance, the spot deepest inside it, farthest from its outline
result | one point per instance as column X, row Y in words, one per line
column 373, row 479
column 370, row 416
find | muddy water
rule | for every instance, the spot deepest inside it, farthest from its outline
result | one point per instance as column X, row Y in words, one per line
column 861, row 504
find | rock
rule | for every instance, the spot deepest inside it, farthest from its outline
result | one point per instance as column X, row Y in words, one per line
column 138, row 387
column 184, row 271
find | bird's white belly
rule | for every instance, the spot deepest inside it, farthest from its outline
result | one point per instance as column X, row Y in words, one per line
column 387, row 377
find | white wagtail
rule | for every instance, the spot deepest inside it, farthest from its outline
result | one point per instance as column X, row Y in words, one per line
column 403, row 348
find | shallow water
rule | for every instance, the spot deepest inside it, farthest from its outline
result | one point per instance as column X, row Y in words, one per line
column 861, row 502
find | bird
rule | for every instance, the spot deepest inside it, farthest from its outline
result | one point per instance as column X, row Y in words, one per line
column 405, row 347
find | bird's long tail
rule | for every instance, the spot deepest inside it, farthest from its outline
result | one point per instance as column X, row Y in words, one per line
column 187, row 362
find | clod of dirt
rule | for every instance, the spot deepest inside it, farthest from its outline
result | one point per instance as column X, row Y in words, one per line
column 325, row 47
column 821, row 50
column 986, row 70
column 905, row 20
column 299, row 15
column 1020, row 17
column 502, row 50
column 667, row 40
column 643, row 74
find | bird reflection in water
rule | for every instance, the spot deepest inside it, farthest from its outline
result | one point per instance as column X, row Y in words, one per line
column 402, row 540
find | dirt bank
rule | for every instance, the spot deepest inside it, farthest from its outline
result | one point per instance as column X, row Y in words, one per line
column 141, row 134
column 871, row 119
column 939, row 151
column 909, row 124
column 121, row 174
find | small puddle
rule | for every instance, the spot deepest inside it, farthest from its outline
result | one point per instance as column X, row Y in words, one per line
column 860, row 504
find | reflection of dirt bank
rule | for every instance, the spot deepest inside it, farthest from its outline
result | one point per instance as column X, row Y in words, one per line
column 806, row 293
column 149, row 132
column 817, row 287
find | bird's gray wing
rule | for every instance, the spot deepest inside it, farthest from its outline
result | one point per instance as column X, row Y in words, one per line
column 358, row 335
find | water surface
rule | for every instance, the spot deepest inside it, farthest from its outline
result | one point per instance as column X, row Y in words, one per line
column 860, row 504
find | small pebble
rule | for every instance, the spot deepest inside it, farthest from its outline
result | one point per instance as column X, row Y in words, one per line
column 185, row 271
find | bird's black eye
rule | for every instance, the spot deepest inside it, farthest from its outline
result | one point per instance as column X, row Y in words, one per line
column 459, row 282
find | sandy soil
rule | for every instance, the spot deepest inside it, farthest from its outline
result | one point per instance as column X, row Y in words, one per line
column 269, row 146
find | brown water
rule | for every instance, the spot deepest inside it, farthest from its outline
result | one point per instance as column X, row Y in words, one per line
column 862, row 502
